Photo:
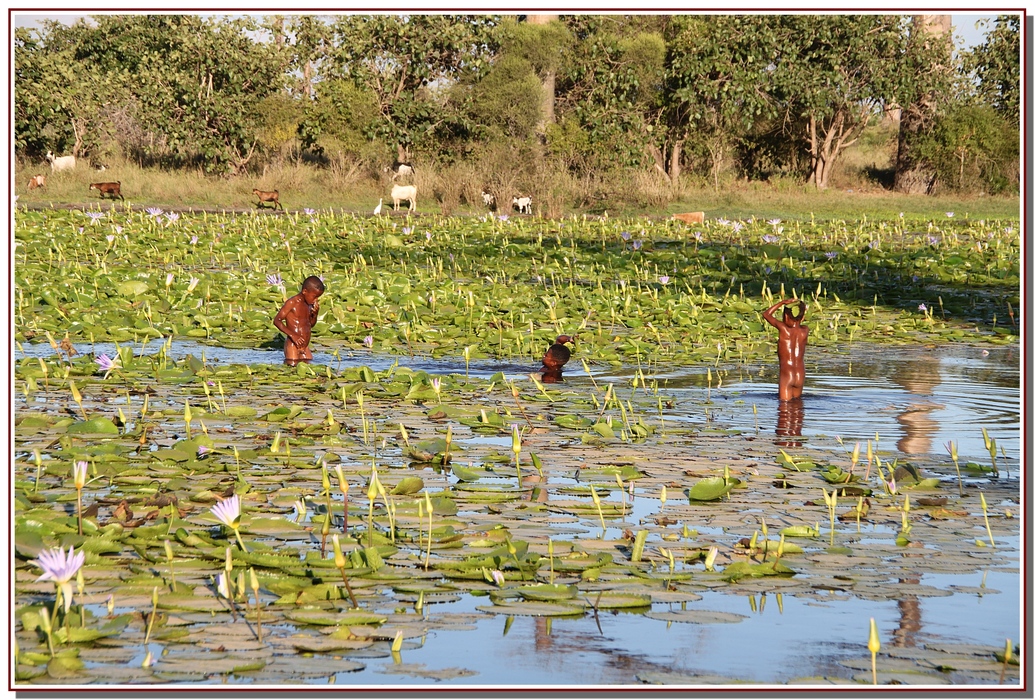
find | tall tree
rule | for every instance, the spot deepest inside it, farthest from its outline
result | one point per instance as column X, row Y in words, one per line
column 996, row 66
column 930, row 42
column 406, row 62
column 834, row 73
column 548, row 71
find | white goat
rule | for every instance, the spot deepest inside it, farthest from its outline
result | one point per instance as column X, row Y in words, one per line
column 488, row 200
column 522, row 204
column 407, row 192
column 400, row 169
column 59, row 164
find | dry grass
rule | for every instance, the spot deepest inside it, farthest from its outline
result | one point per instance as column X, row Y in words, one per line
column 453, row 189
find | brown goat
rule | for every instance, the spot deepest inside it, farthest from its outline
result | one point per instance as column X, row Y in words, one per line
column 108, row 188
column 693, row 217
column 36, row 181
column 273, row 196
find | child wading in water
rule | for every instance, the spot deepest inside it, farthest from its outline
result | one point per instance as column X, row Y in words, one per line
column 296, row 320
column 790, row 348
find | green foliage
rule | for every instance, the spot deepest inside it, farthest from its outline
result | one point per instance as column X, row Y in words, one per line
column 996, row 67
column 405, row 61
column 972, row 148
column 508, row 99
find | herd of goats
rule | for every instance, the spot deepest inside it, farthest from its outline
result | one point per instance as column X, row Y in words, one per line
column 271, row 198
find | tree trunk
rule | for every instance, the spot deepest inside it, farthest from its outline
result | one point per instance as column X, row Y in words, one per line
column 675, row 158
column 549, row 80
column 911, row 176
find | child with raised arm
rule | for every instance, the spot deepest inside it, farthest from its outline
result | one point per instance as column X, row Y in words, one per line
column 790, row 348
column 296, row 320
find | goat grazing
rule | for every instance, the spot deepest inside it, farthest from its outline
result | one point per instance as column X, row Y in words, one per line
column 400, row 169
column 407, row 192
column 693, row 217
column 265, row 197
column 488, row 200
column 522, row 204
column 36, row 181
column 108, row 188
column 59, row 164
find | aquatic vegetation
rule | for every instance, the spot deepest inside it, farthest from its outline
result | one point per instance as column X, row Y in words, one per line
column 454, row 485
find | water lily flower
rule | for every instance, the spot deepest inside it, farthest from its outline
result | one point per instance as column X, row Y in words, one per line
column 503, row 217
column 738, row 226
column 193, row 283
column 274, row 280
column 300, row 509
column 106, row 364
column 922, row 307
column 202, row 450
column 171, row 217
column 110, row 237
column 60, row 568
column 768, row 269
column 369, row 341
column 436, row 384
column 933, row 240
column 308, row 211
column 722, row 221
column 407, row 230
column 169, row 279
column 831, row 254
column 626, row 235
column 95, row 216
column 769, row 238
column 497, row 576
column 228, row 512
column 193, row 240
column 874, row 244
column 79, row 473
column 663, row 279
column 950, row 214
column 427, row 235
column 698, row 236
column 637, row 245
column 154, row 211
column 223, row 585
column 773, row 222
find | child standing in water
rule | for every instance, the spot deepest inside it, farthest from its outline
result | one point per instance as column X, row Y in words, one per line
column 790, row 348
column 296, row 320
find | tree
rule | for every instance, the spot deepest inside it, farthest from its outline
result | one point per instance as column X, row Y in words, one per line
column 929, row 42
column 407, row 62
column 198, row 85
column 717, row 84
column 610, row 85
column 834, row 73
column 996, row 67
column 61, row 103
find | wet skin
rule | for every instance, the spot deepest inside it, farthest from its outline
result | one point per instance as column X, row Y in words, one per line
column 790, row 348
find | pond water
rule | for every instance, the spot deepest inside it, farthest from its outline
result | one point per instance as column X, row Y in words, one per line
column 914, row 399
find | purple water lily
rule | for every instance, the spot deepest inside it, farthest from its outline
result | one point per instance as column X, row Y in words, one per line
column 831, row 254
column 773, row 222
column 154, row 211
column 663, row 279
column 637, row 245
column 193, row 240
column 769, row 238
column 738, row 226
column 105, row 363
column 874, row 244
column 60, row 568
column 171, row 217
column 369, row 341
column 922, row 307
column 626, row 235
column 308, row 211
column 95, row 216
column 274, row 280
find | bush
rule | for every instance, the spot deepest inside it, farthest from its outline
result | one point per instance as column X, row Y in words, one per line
column 972, row 148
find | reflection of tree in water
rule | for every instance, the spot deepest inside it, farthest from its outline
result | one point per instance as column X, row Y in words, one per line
column 561, row 643
column 908, row 618
column 918, row 377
